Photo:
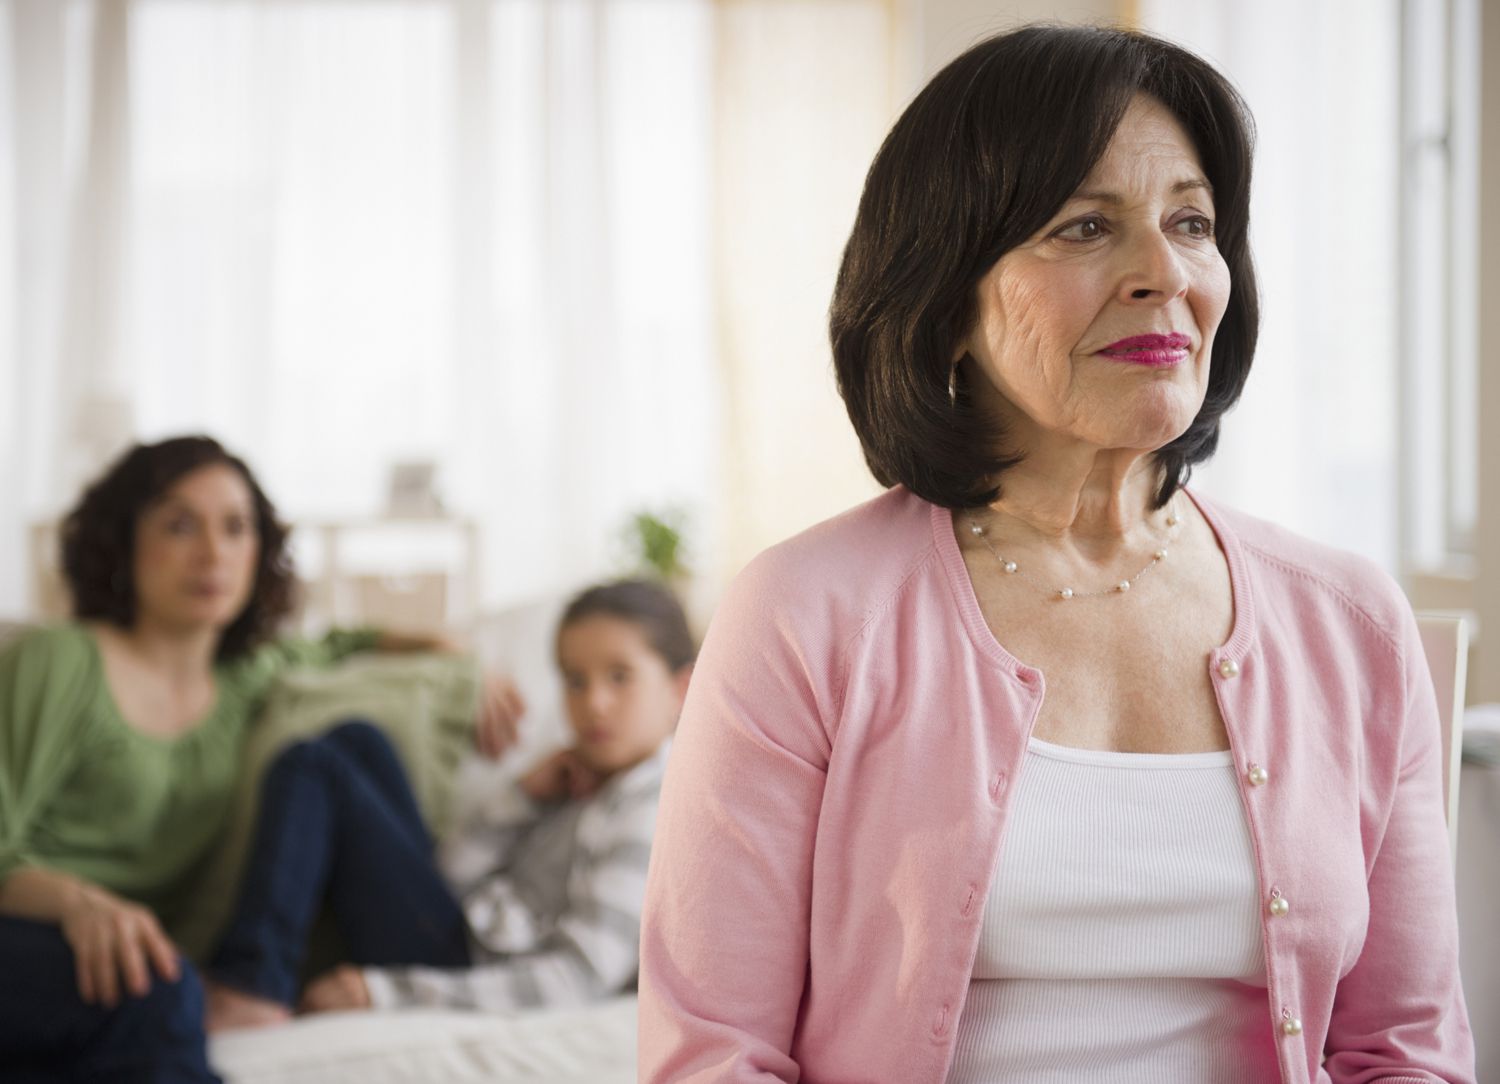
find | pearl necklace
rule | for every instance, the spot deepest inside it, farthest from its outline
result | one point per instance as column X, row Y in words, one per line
column 1063, row 594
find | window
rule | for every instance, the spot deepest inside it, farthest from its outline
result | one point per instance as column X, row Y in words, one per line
column 1438, row 270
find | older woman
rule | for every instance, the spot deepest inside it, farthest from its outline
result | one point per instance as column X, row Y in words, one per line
column 1041, row 767
column 120, row 741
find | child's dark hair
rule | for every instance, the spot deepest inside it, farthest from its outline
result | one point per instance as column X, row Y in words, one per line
column 645, row 603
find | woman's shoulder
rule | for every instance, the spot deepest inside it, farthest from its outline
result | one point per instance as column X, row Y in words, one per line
column 66, row 646
column 845, row 567
column 47, row 672
column 1300, row 568
column 867, row 549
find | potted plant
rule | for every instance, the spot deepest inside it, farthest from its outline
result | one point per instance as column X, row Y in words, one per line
column 654, row 544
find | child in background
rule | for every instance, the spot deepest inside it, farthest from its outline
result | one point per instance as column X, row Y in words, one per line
column 536, row 901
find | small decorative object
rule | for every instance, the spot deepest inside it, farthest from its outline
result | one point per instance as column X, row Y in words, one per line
column 413, row 493
column 654, row 544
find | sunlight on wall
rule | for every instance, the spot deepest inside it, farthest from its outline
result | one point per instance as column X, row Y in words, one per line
column 788, row 180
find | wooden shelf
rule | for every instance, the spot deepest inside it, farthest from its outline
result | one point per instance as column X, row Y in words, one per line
column 413, row 574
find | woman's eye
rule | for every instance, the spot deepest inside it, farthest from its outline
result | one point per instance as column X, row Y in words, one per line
column 1085, row 229
column 1197, row 226
column 179, row 526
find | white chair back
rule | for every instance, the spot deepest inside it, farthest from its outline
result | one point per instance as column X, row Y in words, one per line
column 1445, row 640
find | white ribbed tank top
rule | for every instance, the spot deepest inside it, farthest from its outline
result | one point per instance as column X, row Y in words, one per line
column 1121, row 939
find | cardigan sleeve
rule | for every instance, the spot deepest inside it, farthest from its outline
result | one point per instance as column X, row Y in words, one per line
column 725, row 938
column 45, row 690
column 1399, row 1014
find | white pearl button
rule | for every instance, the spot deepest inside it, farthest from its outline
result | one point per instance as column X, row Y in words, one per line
column 1291, row 1026
column 1257, row 775
column 1229, row 668
column 1279, row 906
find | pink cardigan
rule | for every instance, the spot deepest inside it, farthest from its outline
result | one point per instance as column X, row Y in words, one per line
column 837, row 794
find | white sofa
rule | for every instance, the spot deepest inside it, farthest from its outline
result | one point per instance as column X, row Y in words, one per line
column 595, row 1045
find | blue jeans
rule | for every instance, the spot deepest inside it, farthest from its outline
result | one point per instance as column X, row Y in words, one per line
column 339, row 824
column 48, row 1033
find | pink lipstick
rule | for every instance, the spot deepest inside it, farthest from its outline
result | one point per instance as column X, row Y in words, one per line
column 1155, row 351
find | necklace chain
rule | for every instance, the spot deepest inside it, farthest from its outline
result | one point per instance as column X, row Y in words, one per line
column 1063, row 594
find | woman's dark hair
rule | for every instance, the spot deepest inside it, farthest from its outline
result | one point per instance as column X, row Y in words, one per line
column 645, row 603
column 981, row 160
column 98, row 540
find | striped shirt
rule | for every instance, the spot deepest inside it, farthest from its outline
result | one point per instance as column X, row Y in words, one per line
column 553, row 896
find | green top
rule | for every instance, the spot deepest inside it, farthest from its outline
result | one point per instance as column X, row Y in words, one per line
column 85, row 793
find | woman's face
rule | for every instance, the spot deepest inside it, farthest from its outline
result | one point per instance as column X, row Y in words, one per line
column 196, row 551
column 622, row 699
column 1131, row 254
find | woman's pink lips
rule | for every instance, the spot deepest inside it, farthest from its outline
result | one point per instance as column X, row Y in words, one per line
column 1156, row 351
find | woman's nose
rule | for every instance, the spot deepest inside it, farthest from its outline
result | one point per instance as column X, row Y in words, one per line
column 1155, row 270
column 215, row 546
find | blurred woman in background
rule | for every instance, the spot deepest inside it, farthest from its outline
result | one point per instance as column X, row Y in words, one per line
column 120, row 742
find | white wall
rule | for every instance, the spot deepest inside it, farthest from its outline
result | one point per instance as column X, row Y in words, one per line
column 787, row 180
column 946, row 28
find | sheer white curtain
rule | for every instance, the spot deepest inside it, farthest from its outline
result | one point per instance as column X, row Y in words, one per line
column 1313, row 443
column 340, row 235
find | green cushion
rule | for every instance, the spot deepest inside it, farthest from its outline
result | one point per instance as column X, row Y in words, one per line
column 425, row 703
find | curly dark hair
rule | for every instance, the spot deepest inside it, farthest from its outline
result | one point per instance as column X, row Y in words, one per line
column 982, row 159
column 98, row 540
column 646, row 603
